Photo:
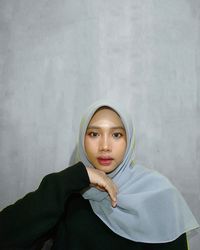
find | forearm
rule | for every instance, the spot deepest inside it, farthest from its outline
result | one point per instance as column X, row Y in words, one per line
column 38, row 212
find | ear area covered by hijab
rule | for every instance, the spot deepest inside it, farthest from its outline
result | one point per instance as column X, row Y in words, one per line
column 149, row 208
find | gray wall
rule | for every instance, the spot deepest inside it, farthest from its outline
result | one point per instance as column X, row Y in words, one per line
column 57, row 57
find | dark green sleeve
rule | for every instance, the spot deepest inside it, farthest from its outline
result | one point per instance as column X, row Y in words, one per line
column 179, row 244
column 31, row 217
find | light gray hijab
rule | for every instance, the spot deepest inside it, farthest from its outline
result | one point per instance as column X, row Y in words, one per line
column 149, row 208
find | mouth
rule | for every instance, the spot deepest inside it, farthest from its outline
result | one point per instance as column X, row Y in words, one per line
column 105, row 161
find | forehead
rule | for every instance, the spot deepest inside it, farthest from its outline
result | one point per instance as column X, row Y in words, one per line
column 106, row 115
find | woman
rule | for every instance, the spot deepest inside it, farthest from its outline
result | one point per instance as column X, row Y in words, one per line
column 105, row 201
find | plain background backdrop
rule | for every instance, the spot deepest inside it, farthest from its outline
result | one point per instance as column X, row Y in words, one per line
column 57, row 57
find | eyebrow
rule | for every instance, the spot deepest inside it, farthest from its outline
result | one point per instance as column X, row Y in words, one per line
column 97, row 127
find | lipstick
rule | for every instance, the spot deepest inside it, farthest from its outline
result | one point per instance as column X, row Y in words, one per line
column 105, row 161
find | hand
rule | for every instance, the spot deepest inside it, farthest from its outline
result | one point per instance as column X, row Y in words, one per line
column 101, row 181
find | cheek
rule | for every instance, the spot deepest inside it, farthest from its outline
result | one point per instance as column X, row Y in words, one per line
column 89, row 145
column 90, row 150
column 86, row 144
column 122, row 149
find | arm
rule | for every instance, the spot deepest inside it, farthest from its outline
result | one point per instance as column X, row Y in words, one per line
column 33, row 216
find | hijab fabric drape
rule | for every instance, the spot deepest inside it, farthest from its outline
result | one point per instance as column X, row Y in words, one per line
column 149, row 208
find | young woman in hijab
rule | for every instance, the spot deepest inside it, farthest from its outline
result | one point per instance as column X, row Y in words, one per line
column 105, row 201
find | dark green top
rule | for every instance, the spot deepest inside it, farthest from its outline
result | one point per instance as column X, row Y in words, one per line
column 56, row 210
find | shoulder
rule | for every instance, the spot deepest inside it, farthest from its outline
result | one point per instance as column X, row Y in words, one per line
column 151, row 177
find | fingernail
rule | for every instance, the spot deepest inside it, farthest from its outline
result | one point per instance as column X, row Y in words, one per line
column 114, row 204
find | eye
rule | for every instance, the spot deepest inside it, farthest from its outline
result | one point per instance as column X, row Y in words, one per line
column 117, row 135
column 93, row 134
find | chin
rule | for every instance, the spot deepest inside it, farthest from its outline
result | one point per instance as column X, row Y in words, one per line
column 106, row 169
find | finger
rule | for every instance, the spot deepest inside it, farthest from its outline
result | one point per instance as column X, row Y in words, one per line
column 112, row 191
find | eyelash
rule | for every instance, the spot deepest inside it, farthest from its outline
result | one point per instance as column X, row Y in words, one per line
column 115, row 135
column 93, row 134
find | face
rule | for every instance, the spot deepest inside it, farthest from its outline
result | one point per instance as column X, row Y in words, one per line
column 105, row 140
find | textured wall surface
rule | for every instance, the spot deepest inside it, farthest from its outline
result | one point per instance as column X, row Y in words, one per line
column 57, row 57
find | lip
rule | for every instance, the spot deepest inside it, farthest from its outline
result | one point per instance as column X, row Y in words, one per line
column 105, row 160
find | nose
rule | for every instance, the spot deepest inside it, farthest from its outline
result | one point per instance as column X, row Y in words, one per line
column 105, row 144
